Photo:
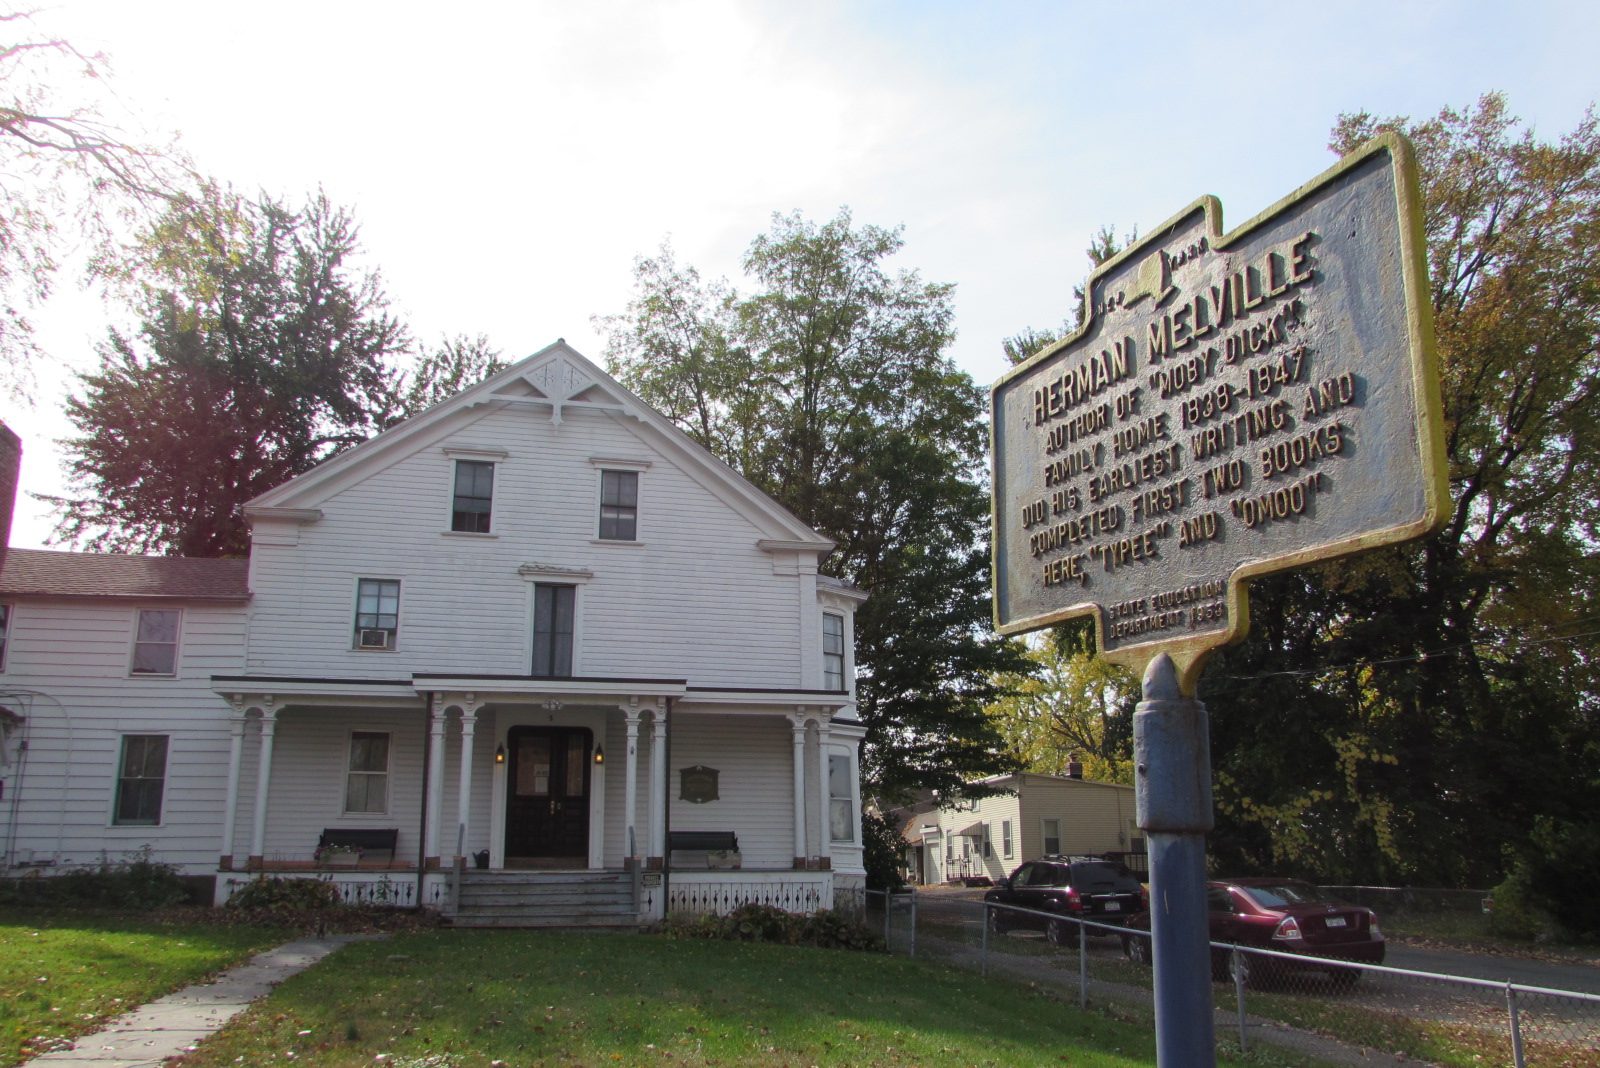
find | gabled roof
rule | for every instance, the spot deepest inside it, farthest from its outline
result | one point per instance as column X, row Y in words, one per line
column 43, row 573
column 554, row 383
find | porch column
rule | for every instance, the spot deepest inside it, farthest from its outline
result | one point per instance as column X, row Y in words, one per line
column 435, row 817
column 798, row 729
column 230, row 810
column 630, row 782
column 469, row 726
column 258, row 832
column 658, row 782
column 824, row 822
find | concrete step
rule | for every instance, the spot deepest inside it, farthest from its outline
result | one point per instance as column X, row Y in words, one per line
column 546, row 899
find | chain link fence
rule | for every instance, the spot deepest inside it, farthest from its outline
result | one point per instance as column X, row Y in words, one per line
column 1261, row 996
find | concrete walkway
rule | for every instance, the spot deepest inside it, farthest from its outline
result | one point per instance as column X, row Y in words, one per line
column 175, row 1023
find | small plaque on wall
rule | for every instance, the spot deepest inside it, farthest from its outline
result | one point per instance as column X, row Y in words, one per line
column 698, row 785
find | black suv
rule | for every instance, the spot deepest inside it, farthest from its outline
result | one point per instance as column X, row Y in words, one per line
column 1087, row 888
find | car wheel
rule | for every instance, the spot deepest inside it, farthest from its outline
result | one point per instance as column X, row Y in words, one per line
column 1242, row 971
column 1137, row 949
column 1344, row 978
column 1061, row 933
column 996, row 925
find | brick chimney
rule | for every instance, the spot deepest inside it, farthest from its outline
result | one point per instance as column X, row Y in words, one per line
column 10, row 472
column 1074, row 767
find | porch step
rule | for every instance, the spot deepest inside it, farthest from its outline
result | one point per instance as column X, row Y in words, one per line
column 546, row 899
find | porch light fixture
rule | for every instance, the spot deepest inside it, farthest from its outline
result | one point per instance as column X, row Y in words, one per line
column 599, row 754
column 499, row 754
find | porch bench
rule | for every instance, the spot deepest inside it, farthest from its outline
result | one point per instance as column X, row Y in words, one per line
column 375, row 843
column 697, row 846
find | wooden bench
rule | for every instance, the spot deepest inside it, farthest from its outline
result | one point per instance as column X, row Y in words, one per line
column 375, row 843
column 696, row 847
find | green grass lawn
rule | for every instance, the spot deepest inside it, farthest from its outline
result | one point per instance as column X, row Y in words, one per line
column 472, row 998
column 63, row 973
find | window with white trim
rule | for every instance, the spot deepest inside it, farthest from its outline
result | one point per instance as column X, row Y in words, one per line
column 5, row 632
column 141, row 779
column 619, row 505
column 554, row 618
column 841, row 800
column 832, row 652
column 1052, row 836
column 155, row 642
column 1005, row 838
column 377, row 613
column 473, row 499
column 366, row 787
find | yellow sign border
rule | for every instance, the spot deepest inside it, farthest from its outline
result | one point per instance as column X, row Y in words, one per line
column 1189, row 653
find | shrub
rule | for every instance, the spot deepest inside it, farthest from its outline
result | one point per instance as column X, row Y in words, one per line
column 287, row 895
column 832, row 929
column 826, row 928
column 136, row 883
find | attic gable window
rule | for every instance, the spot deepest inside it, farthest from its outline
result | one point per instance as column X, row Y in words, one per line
column 619, row 505
column 472, row 503
column 155, row 642
column 377, row 613
column 5, row 632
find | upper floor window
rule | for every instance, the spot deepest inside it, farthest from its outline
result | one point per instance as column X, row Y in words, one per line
column 1051, row 833
column 155, row 642
column 141, row 777
column 619, row 505
column 841, row 800
column 474, row 496
column 366, row 786
column 832, row 652
column 554, row 614
column 5, row 632
column 1005, row 838
column 377, row 613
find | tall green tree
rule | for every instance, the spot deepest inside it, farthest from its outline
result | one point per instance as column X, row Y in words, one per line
column 1414, row 714
column 264, row 349
column 827, row 385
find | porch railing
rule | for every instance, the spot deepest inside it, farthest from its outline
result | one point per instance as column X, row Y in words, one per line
column 719, row 893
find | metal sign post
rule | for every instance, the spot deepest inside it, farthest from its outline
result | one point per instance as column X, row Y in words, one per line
column 1232, row 405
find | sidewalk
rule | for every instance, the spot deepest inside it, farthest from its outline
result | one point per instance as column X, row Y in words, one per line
column 173, row 1024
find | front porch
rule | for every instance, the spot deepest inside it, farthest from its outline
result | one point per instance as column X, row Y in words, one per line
column 512, row 790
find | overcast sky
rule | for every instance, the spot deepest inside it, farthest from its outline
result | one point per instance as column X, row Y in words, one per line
column 508, row 162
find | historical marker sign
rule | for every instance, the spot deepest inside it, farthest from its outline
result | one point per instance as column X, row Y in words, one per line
column 1232, row 405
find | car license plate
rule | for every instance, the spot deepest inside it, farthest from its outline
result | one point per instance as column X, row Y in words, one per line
column 1113, row 906
column 1336, row 921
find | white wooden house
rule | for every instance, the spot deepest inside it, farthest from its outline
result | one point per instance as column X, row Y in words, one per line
column 1036, row 816
column 529, row 638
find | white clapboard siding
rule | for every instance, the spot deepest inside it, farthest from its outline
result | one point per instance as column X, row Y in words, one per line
column 695, row 599
column 756, row 790
column 67, row 673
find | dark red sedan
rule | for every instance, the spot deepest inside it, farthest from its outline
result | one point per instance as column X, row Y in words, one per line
column 1282, row 914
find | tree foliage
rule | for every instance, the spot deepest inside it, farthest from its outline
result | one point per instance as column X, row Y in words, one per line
column 69, row 177
column 1412, row 715
column 827, row 386
column 263, row 350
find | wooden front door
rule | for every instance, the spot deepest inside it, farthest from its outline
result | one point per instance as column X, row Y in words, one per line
column 547, row 794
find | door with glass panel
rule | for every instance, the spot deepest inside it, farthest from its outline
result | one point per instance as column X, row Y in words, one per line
column 547, row 795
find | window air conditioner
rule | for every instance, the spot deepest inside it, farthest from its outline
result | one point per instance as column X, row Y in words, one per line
column 374, row 639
